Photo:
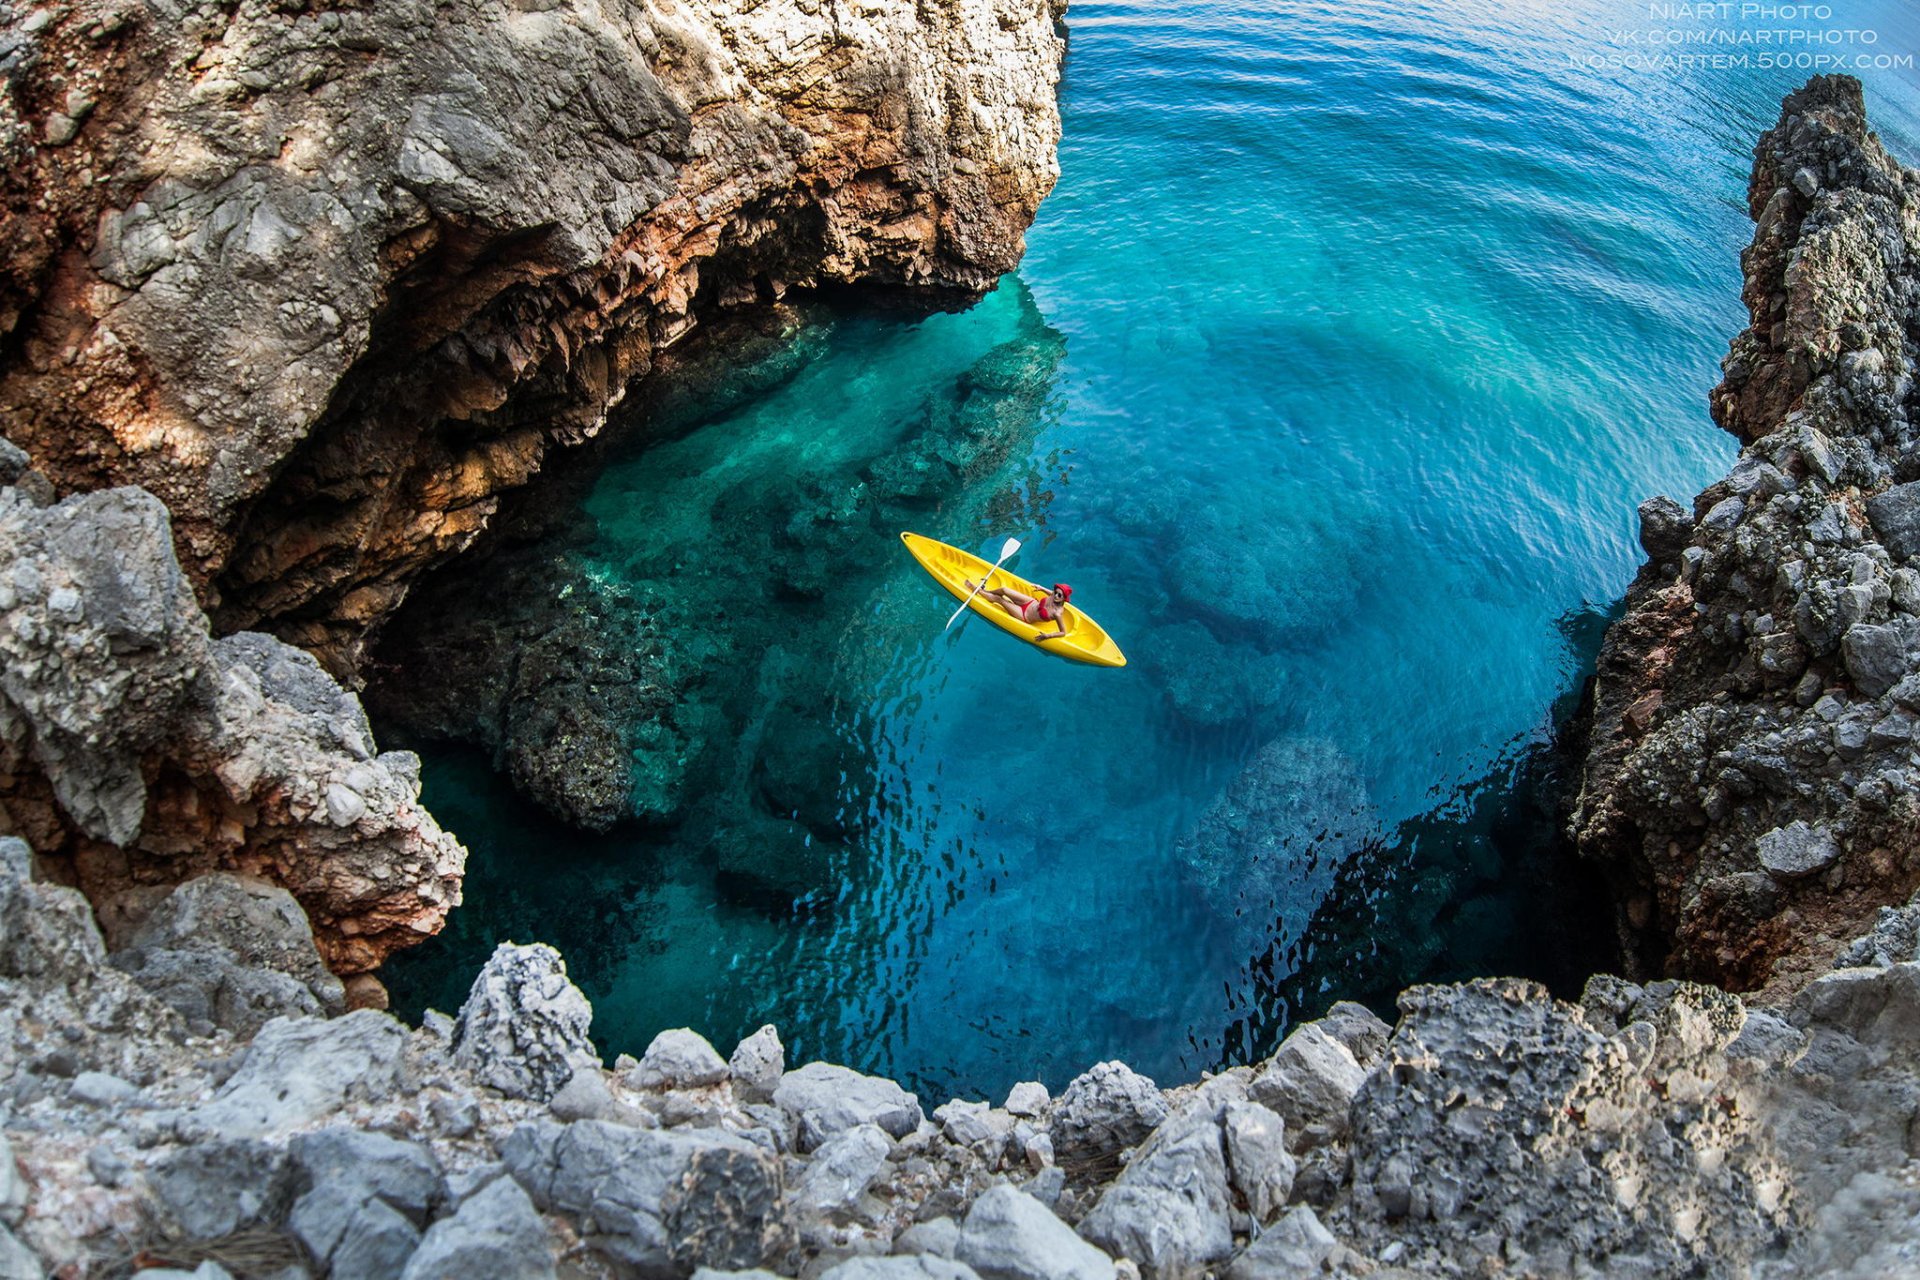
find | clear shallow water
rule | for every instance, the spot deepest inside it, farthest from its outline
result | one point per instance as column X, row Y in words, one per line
column 1346, row 347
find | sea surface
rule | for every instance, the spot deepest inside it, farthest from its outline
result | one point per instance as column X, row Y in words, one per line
column 1338, row 363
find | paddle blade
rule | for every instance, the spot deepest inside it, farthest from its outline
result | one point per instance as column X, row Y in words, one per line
column 1007, row 552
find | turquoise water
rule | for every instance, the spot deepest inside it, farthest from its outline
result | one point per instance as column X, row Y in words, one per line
column 1339, row 361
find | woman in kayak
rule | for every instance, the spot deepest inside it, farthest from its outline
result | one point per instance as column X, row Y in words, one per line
column 1048, row 608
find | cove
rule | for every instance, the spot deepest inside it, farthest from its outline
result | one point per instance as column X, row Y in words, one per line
column 1339, row 360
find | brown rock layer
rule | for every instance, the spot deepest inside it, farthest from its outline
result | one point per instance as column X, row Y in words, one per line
column 136, row 751
column 327, row 282
column 1751, row 777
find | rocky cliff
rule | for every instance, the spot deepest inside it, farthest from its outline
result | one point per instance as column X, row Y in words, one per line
column 137, row 751
column 327, row 280
column 1752, row 778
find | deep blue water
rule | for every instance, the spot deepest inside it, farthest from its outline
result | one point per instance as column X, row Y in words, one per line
column 1363, row 328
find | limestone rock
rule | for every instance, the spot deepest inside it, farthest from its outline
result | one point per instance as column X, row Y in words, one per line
column 1258, row 1162
column 842, row 1169
column 1359, row 1028
column 679, row 1059
column 217, row 1188
column 1294, row 1246
column 1028, row 1099
column 659, row 1199
column 825, row 1100
column 1310, row 1082
column 757, row 1064
column 218, row 947
column 1102, row 1112
column 1008, row 1235
column 403, row 1174
column 495, row 1233
column 523, row 1029
column 17, row 1262
column 1169, row 1210
column 298, row 1070
column 1797, row 850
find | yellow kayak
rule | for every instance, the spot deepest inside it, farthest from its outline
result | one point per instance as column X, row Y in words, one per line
column 1085, row 640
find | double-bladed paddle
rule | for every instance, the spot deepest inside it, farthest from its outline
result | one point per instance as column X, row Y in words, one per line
column 1006, row 554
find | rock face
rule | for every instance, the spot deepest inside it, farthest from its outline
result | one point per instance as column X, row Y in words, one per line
column 138, row 752
column 1751, row 772
column 328, row 282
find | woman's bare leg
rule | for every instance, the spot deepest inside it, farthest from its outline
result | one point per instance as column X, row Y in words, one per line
column 1012, row 601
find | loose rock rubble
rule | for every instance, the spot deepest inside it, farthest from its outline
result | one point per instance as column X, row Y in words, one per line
column 1664, row 1130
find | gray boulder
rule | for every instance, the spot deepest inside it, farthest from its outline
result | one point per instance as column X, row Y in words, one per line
column 1008, row 1235
column 17, row 1262
column 353, row 1233
column 842, row 1169
column 1293, row 1247
column 523, row 1029
column 1027, row 1099
column 1797, row 850
column 1895, row 515
column 1359, row 1028
column 1169, row 1210
column 1877, row 656
column 299, row 1070
column 757, row 1064
column 1666, row 528
column 209, row 989
column 908, row 1266
column 974, row 1124
column 678, row 1059
column 825, row 1100
column 1310, row 1081
column 939, row 1236
column 403, row 1174
column 495, row 1234
column 214, row 1189
column 586, row 1096
column 658, row 1199
column 1258, row 1163
column 234, row 951
column 1103, row 1112
column 102, row 646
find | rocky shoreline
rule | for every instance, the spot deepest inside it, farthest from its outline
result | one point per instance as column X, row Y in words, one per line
column 197, row 1071
column 186, row 1103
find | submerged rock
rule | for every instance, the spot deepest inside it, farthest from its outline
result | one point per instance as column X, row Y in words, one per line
column 1265, row 852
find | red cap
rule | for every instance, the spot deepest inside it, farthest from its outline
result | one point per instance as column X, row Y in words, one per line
column 1066, row 592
